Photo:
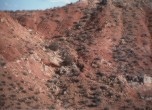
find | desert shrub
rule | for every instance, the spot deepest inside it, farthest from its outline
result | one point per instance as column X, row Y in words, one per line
column 1, row 89
column 119, row 3
column 103, row 2
column 54, row 46
column 57, row 21
column 9, row 77
column 2, row 62
column 80, row 66
column 67, row 60
column 66, row 10
column 52, row 107
column 106, row 108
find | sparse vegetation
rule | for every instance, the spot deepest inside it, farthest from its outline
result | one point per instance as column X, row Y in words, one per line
column 67, row 60
column 2, row 62
column 84, row 56
column 54, row 46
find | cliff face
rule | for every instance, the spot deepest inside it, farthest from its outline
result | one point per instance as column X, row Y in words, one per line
column 94, row 56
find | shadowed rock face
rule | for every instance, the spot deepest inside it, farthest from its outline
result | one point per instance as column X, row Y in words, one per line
column 95, row 56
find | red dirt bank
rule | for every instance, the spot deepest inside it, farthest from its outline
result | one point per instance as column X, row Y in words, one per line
column 85, row 56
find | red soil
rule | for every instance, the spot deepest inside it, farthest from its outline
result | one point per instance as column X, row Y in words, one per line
column 83, row 56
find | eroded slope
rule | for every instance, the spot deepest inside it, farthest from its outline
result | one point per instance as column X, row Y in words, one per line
column 88, row 55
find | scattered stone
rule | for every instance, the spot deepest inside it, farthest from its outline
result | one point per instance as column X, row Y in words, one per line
column 70, row 71
column 96, row 63
column 147, row 79
column 2, row 20
column 30, row 30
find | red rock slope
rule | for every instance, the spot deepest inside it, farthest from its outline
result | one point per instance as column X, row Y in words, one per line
column 91, row 55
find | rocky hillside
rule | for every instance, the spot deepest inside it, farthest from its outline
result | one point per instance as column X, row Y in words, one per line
column 90, row 55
